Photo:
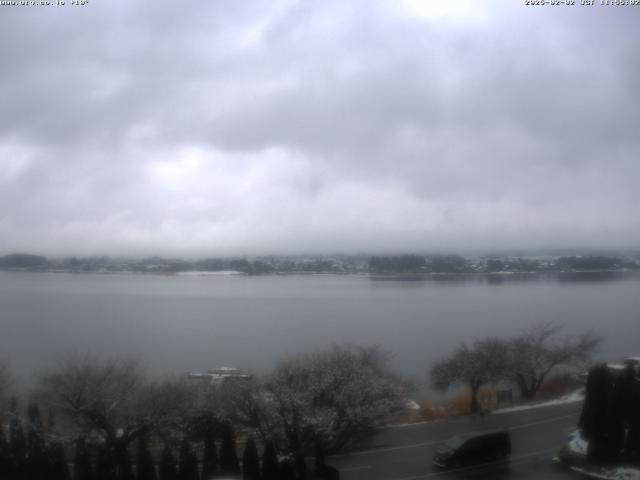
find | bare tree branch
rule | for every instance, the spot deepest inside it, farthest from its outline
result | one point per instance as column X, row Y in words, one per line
column 321, row 402
column 534, row 354
column 111, row 399
column 473, row 367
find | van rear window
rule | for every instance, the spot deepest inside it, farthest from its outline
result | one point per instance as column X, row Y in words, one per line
column 454, row 442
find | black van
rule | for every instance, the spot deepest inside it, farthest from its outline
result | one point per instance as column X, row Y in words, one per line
column 473, row 448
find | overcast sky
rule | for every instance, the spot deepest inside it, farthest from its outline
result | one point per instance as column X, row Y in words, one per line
column 198, row 127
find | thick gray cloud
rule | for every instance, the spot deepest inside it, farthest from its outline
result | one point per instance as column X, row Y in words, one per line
column 196, row 128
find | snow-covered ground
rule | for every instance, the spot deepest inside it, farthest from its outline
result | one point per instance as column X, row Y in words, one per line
column 412, row 405
column 576, row 396
column 616, row 473
column 578, row 445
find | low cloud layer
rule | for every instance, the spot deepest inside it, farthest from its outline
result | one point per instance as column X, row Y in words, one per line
column 202, row 128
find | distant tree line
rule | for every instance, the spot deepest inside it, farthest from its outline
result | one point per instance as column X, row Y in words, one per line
column 258, row 266
column 115, row 424
column 23, row 260
column 418, row 264
column 610, row 418
column 400, row 263
column 455, row 264
column 394, row 264
column 513, row 265
column 524, row 361
column 593, row 263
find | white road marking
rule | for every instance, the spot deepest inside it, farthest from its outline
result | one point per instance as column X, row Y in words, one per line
column 353, row 469
column 541, row 422
column 513, row 461
column 427, row 444
column 389, row 449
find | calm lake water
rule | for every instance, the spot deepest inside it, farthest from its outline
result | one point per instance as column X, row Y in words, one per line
column 181, row 323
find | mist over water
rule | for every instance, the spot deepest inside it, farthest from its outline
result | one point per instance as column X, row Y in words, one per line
column 179, row 323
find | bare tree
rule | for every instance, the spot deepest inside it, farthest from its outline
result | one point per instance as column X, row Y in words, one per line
column 538, row 351
column 473, row 367
column 164, row 406
column 110, row 398
column 323, row 402
column 242, row 403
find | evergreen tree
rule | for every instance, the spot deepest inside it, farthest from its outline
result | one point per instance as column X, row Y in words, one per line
column 250, row 461
column 14, row 421
column 616, row 417
column 18, row 445
column 51, row 421
column 300, row 466
column 633, row 417
column 105, row 465
column 58, row 468
column 287, row 470
column 82, row 469
column 229, row 464
column 6, row 463
column 36, row 464
column 209, row 459
column 202, row 427
column 145, row 467
column 33, row 414
column 168, row 469
column 607, row 414
column 188, row 464
column 269, row 462
column 15, row 417
column 593, row 420
column 125, row 470
column 18, row 451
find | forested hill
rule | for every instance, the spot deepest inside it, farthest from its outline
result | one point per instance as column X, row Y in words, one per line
column 24, row 260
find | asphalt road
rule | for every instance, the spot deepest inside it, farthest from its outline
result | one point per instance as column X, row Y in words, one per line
column 405, row 452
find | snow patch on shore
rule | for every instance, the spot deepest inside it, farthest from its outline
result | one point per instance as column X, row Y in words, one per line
column 577, row 444
column 198, row 273
column 411, row 405
column 617, row 473
column 573, row 397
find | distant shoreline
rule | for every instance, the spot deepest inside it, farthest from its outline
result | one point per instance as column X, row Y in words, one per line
column 399, row 276
column 409, row 266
